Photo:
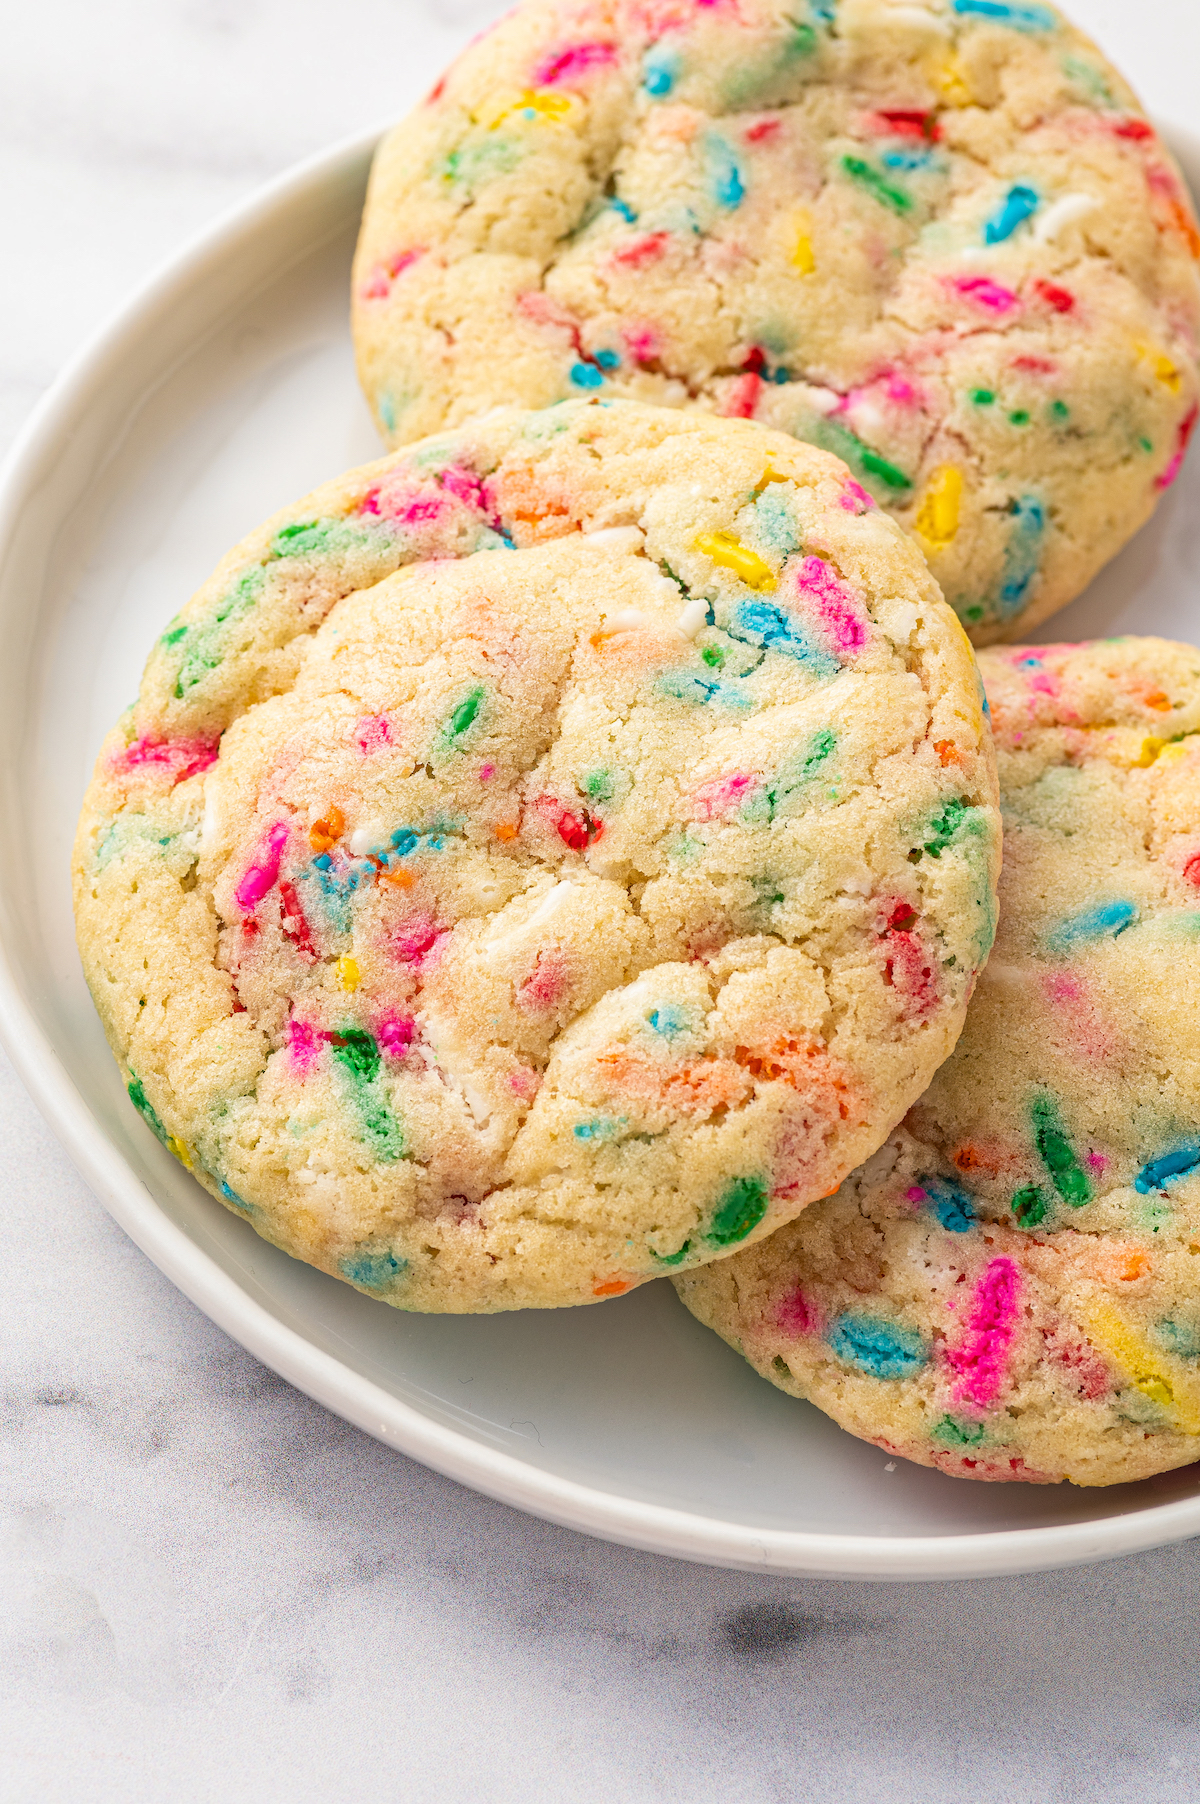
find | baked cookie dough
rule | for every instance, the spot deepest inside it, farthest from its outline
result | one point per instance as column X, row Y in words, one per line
column 1010, row 1288
column 940, row 240
column 546, row 858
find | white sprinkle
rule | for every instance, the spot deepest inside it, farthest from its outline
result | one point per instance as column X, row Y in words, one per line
column 822, row 400
column 1064, row 212
column 626, row 621
column 891, row 1466
column 366, row 836
column 902, row 621
column 210, row 825
column 867, row 417
column 693, row 618
column 617, row 538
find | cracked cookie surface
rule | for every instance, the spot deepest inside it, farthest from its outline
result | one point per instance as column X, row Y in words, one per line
column 1008, row 1289
column 940, row 240
column 546, row 858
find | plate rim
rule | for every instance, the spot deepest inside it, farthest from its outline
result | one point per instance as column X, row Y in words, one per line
column 606, row 1515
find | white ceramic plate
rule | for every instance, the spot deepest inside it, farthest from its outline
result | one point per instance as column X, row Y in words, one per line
column 224, row 390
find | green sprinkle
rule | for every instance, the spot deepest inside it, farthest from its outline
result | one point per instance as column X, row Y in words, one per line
column 1146, row 444
column 1029, row 1206
column 878, row 185
column 358, row 1053
column 741, row 1209
column 886, row 472
column 598, row 784
column 1059, row 410
column 781, row 1366
column 145, row 1108
column 945, row 826
column 1019, row 417
column 957, row 1434
column 973, row 613
column 982, row 397
column 674, row 1258
column 713, row 656
column 1066, row 1173
column 466, row 711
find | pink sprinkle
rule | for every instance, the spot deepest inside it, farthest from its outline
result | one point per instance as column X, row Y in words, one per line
column 642, row 341
column 980, row 1357
column 564, row 65
column 372, row 733
column 795, row 1314
column 524, row 1082
column 305, row 1043
column 415, row 939
column 766, row 128
column 743, row 397
column 546, row 983
column 262, row 874
column 1097, row 1162
column 393, row 503
column 721, row 794
column 639, row 251
column 987, row 293
column 177, row 758
column 396, row 1034
column 900, row 390
column 486, row 772
column 915, row 1194
column 835, row 604
column 378, row 284
column 463, row 484
column 854, row 498
column 1186, row 429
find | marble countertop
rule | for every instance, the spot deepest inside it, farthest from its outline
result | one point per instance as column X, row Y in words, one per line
column 213, row 1590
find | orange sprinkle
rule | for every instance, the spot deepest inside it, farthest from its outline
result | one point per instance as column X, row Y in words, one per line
column 612, row 1287
column 1158, row 701
column 507, row 830
column 402, row 879
column 947, row 751
column 325, row 833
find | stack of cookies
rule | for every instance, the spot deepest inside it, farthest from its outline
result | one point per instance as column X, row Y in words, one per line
column 567, row 852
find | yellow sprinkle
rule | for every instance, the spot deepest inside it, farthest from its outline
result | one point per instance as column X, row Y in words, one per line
column 1167, row 374
column 802, row 254
column 179, row 1148
column 1150, row 750
column 348, row 973
column 724, row 549
column 937, row 516
column 1164, row 1380
column 950, row 79
column 545, row 105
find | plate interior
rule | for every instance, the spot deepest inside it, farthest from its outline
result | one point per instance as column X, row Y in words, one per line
column 181, row 453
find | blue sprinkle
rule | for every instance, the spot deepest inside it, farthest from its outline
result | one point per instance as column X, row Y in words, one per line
column 374, row 1271
column 608, row 360
column 729, row 190
column 1154, row 1175
column 953, row 1207
column 231, row 1196
column 586, row 375
column 659, row 72
column 323, row 862
column 1107, row 921
column 1018, row 204
column 404, row 841
column 1021, row 18
column 598, row 1130
column 760, row 623
column 387, row 413
column 902, row 157
column 1022, row 554
column 882, row 1349
column 669, row 1020
column 624, row 209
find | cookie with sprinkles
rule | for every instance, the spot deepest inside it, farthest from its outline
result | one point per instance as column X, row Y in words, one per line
column 1008, row 1290
column 938, row 238
column 544, row 859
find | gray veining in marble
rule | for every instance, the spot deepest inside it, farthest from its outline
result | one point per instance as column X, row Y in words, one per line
column 210, row 1589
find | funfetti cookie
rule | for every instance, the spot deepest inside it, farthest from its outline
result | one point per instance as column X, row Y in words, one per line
column 940, row 240
column 545, row 859
column 1010, row 1288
